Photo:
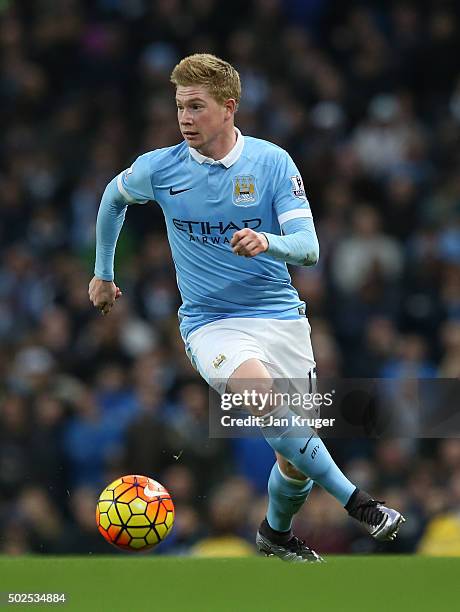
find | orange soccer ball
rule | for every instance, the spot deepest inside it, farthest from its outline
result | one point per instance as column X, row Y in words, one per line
column 135, row 513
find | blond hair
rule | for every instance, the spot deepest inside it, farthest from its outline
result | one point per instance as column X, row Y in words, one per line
column 217, row 75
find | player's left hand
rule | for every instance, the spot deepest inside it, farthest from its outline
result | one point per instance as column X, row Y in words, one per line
column 248, row 243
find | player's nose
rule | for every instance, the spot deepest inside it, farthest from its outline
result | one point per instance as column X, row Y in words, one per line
column 186, row 117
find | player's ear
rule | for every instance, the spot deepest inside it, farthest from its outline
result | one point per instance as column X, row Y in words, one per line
column 230, row 107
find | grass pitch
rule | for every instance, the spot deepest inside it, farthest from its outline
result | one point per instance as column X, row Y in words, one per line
column 146, row 583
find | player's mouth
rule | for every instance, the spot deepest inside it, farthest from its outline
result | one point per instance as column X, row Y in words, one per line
column 190, row 135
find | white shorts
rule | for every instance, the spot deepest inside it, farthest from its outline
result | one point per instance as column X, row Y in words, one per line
column 217, row 349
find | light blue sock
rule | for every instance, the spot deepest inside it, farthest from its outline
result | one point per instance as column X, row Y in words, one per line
column 285, row 497
column 311, row 457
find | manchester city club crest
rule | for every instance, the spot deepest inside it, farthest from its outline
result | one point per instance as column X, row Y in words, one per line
column 244, row 190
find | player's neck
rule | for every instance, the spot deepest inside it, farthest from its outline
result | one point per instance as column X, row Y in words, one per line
column 221, row 145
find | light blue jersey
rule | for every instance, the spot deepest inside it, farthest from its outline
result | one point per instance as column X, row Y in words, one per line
column 256, row 185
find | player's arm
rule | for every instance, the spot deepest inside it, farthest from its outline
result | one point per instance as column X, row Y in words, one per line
column 129, row 187
column 299, row 244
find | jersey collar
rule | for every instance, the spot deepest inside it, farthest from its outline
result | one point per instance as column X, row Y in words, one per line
column 227, row 161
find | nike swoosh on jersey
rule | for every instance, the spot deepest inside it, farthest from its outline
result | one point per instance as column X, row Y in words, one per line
column 173, row 193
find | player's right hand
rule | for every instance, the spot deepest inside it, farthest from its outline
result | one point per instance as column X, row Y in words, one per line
column 102, row 294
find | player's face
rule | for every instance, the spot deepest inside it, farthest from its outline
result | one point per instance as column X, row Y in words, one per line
column 202, row 119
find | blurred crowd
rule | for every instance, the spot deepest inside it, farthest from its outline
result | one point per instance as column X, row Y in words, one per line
column 365, row 95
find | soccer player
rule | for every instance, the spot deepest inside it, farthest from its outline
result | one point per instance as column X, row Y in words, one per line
column 236, row 212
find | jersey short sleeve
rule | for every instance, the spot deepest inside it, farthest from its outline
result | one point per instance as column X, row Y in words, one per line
column 135, row 184
column 290, row 201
